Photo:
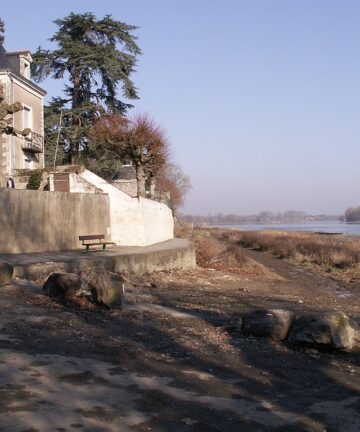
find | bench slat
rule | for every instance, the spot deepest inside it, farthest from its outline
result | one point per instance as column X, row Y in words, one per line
column 92, row 237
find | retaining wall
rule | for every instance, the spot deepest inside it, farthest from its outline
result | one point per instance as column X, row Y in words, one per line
column 36, row 221
column 134, row 221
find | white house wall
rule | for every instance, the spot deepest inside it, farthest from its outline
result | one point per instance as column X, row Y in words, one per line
column 134, row 221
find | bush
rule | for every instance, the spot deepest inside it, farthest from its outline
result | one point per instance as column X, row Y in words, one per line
column 34, row 180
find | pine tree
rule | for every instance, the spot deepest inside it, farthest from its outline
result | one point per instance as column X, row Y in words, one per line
column 90, row 58
column 2, row 31
column 55, row 133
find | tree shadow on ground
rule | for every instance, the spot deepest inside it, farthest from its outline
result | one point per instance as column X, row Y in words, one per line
column 198, row 383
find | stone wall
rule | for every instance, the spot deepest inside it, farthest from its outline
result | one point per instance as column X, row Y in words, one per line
column 127, row 186
column 76, row 184
column 35, row 221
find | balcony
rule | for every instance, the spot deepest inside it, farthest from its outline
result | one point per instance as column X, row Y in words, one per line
column 33, row 142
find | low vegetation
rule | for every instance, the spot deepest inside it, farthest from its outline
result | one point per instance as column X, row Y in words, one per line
column 213, row 251
column 330, row 251
column 216, row 250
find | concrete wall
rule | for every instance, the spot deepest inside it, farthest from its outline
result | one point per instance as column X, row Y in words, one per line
column 176, row 254
column 33, row 221
column 134, row 221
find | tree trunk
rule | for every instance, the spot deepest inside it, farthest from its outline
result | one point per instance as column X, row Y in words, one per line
column 140, row 177
column 74, row 146
column 76, row 103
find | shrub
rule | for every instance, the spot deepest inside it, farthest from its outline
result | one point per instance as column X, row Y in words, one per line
column 34, row 180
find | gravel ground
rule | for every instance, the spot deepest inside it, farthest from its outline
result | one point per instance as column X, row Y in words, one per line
column 173, row 360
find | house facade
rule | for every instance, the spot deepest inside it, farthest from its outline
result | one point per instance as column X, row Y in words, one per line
column 19, row 152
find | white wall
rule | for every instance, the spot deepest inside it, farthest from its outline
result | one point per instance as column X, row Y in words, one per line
column 134, row 221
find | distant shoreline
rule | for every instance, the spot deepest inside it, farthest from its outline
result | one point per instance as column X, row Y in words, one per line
column 323, row 227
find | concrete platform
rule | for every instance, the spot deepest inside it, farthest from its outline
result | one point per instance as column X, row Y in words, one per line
column 169, row 255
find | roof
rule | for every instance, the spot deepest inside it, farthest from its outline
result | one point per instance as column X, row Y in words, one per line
column 24, row 80
column 18, row 52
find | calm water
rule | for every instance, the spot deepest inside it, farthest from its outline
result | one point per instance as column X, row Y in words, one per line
column 329, row 227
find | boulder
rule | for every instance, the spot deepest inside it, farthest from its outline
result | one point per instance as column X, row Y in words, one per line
column 331, row 330
column 6, row 273
column 272, row 323
column 108, row 289
column 66, row 285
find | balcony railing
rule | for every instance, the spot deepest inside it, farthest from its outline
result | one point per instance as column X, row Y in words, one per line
column 33, row 142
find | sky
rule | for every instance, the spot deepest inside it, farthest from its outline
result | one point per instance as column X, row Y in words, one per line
column 260, row 98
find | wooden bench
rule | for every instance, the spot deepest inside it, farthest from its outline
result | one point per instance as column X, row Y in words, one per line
column 94, row 240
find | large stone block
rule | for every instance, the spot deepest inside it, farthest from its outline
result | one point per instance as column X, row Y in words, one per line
column 108, row 289
column 273, row 323
column 6, row 273
column 66, row 285
column 332, row 330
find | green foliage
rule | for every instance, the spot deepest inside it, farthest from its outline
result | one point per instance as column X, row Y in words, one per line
column 2, row 31
column 90, row 58
column 52, row 131
column 34, row 180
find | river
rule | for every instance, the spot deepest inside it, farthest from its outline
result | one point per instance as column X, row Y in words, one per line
column 314, row 226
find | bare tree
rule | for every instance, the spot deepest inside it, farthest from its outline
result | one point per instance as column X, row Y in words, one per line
column 137, row 138
column 172, row 179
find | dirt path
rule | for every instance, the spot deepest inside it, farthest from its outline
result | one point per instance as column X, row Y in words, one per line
column 299, row 279
column 170, row 362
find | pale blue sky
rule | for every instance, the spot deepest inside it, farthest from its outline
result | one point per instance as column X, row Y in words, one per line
column 260, row 98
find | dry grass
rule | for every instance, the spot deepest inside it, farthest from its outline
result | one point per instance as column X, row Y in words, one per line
column 217, row 249
column 212, row 251
column 304, row 247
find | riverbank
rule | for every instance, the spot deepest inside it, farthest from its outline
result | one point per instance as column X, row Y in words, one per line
column 335, row 254
column 172, row 361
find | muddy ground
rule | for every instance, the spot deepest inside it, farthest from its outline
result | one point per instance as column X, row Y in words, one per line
column 172, row 361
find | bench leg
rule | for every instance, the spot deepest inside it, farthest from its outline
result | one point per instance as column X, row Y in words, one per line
column 87, row 248
column 104, row 247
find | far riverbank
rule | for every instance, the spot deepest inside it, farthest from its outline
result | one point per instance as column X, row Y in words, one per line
column 313, row 226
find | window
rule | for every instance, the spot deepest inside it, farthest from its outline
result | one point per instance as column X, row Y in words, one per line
column 28, row 159
column 26, row 70
column 27, row 118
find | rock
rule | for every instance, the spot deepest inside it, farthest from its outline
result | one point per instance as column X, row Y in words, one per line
column 273, row 323
column 6, row 273
column 66, row 285
column 331, row 330
column 108, row 289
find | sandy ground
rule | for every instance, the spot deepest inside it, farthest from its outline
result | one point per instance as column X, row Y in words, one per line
column 172, row 361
